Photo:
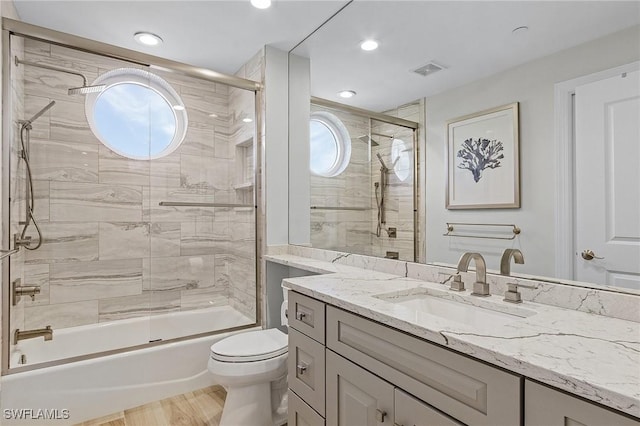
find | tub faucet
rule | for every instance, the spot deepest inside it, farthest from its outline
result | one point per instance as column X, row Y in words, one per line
column 46, row 332
column 505, row 262
column 480, row 287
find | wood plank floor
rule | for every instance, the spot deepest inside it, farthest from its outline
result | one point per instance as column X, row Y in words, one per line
column 198, row 408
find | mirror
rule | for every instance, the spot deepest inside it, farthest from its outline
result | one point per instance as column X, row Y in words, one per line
column 452, row 62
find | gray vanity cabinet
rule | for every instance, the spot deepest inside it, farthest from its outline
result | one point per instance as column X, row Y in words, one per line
column 410, row 411
column 300, row 414
column 548, row 407
column 355, row 396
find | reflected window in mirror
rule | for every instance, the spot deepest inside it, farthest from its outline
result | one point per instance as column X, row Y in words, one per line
column 330, row 145
column 401, row 159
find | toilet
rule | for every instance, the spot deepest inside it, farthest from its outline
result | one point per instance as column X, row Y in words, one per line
column 252, row 367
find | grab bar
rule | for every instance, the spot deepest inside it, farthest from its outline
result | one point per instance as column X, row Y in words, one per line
column 7, row 253
column 187, row 204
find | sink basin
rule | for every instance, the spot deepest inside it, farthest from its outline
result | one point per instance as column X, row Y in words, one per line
column 467, row 310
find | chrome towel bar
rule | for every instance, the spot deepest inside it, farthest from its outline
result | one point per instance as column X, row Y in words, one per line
column 451, row 229
column 187, row 204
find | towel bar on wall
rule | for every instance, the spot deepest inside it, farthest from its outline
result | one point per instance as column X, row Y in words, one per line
column 187, row 204
column 340, row 208
column 451, row 228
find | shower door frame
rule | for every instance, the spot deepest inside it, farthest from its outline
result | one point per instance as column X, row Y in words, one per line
column 17, row 28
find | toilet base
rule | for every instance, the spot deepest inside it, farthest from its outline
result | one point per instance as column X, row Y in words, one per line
column 252, row 405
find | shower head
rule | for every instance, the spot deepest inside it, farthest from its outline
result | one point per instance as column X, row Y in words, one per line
column 384, row 166
column 39, row 113
column 85, row 90
column 366, row 139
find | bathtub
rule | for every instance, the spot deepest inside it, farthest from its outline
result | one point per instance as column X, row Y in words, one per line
column 96, row 387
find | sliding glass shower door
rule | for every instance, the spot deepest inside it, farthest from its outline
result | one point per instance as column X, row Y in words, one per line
column 131, row 200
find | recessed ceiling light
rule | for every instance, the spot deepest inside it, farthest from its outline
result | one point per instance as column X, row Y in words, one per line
column 178, row 107
column 261, row 4
column 369, row 45
column 347, row 94
column 247, row 120
column 148, row 39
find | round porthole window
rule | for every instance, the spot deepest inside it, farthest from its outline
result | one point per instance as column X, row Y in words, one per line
column 401, row 159
column 137, row 115
column 330, row 145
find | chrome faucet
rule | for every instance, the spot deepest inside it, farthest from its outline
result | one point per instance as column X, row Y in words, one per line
column 480, row 287
column 505, row 262
column 47, row 333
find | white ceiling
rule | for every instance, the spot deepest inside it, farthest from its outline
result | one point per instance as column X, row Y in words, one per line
column 220, row 35
column 472, row 39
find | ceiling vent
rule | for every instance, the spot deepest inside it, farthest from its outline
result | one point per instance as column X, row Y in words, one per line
column 429, row 69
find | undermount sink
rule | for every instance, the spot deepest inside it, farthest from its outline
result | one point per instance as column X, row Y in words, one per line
column 467, row 310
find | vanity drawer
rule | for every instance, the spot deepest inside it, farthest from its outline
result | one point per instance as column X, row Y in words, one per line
column 306, row 315
column 300, row 414
column 307, row 369
column 467, row 390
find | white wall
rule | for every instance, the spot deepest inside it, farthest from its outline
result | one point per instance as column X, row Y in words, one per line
column 532, row 85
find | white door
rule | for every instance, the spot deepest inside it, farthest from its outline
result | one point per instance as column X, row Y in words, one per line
column 607, row 186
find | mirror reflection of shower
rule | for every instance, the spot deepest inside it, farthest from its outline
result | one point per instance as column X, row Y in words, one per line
column 25, row 132
column 381, row 187
column 22, row 240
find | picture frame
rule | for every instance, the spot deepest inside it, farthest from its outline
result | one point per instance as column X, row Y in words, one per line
column 483, row 160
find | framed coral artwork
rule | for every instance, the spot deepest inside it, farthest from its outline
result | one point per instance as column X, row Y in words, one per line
column 483, row 167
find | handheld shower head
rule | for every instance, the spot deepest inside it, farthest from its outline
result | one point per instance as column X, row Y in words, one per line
column 39, row 113
column 384, row 166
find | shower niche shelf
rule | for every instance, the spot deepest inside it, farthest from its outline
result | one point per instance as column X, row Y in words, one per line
column 243, row 183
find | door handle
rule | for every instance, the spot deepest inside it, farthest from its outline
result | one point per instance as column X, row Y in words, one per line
column 589, row 255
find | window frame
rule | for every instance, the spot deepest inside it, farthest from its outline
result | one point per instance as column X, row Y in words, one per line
column 152, row 82
column 341, row 138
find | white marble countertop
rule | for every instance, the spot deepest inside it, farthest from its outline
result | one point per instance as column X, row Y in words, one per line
column 592, row 356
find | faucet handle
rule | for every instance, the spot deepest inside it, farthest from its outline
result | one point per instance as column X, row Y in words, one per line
column 512, row 294
column 456, row 284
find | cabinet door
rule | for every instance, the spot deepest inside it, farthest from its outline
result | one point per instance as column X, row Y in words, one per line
column 413, row 412
column 300, row 414
column 306, row 369
column 356, row 397
column 544, row 406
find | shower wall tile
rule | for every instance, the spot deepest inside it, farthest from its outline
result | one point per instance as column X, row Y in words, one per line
column 50, row 84
column 203, row 298
column 76, row 281
column 72, row 201
column 165, row 239
column 69, row 122
column 37, row 275
column 116, row 169
column 35, row 47
column 141, row 305
column 222, row 143
column 41, row 200
column 159, row 213
column 165, row 172
column 68, row 57
column 199, row 140
column 64, row 161
column 65, row 242
column 178, row 273
column 198, row 173
column 201, row 104
column 124, row 240
column 33, row 105
column 204, row 236
column 61, row 315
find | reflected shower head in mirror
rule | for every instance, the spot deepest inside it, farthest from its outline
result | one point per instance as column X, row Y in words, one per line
column 366, row 139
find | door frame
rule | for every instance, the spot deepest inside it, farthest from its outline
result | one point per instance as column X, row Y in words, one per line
column 565, row 164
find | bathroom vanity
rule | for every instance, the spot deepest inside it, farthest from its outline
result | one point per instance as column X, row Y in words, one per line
column 364, row 351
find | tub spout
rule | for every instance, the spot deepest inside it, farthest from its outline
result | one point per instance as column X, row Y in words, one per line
column 47, row 333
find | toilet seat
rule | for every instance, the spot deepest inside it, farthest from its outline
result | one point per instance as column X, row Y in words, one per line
column 251, row 346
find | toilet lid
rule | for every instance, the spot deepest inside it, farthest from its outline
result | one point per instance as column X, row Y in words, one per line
column 251, row 346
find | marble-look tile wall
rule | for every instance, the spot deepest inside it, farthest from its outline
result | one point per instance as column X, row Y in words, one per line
column 345, row 230
column 109, row 250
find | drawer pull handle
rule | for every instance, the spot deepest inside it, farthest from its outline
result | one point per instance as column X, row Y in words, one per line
column 301, row 368
column 300, row 315
column 380, row 415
